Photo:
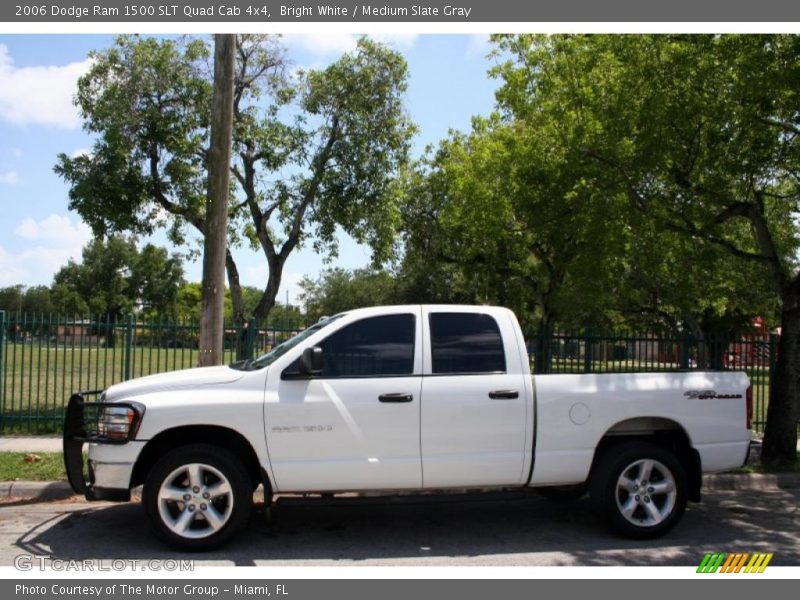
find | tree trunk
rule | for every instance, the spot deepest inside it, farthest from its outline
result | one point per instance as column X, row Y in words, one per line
column 712, row 349
column 216, row 230
column 267, row 301
column 111, row 330
column 544, row 345
column 780, row 435
column 235, row 286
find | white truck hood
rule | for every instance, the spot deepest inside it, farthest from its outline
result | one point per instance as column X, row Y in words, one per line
column 185, row 378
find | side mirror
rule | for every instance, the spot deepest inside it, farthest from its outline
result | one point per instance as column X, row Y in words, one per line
column 311, row 362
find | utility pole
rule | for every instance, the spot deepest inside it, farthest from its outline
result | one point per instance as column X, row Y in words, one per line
column 216, row 230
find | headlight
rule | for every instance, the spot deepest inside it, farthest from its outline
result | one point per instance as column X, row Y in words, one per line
column 118, row 423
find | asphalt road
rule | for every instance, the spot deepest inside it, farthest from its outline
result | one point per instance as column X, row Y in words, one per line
column 496, row 530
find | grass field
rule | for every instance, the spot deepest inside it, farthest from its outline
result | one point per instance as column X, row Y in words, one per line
column 37, row 380
column 48, row 467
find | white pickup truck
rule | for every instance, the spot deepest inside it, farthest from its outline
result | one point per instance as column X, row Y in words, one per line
column 403, row 398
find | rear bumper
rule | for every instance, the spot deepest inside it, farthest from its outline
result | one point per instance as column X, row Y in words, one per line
column 107, row 473
column 753, row 452
column 723, row 456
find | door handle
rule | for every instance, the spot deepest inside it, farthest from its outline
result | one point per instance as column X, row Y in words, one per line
column 504, row 394
column 395, row 398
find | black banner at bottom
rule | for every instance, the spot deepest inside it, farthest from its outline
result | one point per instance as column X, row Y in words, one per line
column 387, row 589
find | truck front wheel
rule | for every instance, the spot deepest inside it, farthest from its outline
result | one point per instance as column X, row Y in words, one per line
column 640, row 488
column 197, row 497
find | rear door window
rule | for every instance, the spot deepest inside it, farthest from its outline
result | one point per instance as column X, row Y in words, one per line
column 466, row 343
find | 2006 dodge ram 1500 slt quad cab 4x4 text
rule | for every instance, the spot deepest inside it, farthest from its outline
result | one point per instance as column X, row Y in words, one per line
column 403, row 398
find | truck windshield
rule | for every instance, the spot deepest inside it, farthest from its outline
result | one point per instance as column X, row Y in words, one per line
column 270, row 357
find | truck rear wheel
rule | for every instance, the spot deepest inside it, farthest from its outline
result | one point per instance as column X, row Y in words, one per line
column 197, row 497
column 640, row 489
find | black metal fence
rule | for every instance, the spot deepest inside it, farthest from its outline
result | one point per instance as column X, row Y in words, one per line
column 45, row 358
column 591, row 351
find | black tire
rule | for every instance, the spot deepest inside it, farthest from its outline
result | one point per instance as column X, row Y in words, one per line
column 169, row 512
column 564, row 493
column 634, row 510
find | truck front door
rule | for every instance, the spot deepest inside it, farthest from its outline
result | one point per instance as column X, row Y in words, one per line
column 356, row 425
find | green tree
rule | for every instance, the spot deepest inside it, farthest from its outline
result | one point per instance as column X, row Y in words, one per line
column 19, row 298
column 156, row 276
column 508, row 208
column 37, row 300
column 701, row 134
column 189, row 303
column 312, row 151
column 99, row 283
column 286, row 316
column 338, row 290
column 250, row 297
column 671, row 282
column 12, row 297
column 115, row 278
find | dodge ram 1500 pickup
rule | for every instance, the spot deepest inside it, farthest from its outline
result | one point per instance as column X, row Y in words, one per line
column 403, row 398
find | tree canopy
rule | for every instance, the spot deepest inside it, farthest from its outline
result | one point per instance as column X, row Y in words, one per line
column 701, row 135
column 114, row 277
column 648, row 179
column 510, row 208
column 26, row 299
column 337, row 290
column 313, row 149
column 189, row 303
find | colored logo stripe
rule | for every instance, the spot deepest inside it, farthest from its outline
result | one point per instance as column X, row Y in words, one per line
column 758, row 563
column 734, row 563
column 741, row 562
column 711, row 562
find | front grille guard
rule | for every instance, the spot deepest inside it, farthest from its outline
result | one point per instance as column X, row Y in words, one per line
column 80, row 427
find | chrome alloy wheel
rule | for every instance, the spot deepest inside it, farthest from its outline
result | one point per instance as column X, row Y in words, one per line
column 646, row 493
column 195, row 500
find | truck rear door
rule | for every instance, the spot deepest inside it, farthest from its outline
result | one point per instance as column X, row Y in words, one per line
column 474, row 399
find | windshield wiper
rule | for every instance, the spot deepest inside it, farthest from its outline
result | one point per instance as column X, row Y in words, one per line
column 243, row 365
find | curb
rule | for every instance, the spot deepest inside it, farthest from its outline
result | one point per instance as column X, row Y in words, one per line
column 36, row 490
column 752, row 482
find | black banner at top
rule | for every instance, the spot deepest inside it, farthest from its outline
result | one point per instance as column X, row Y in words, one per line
column 454, row 11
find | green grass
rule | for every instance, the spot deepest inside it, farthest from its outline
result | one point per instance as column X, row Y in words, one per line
column 759, row 468
column 14, row 467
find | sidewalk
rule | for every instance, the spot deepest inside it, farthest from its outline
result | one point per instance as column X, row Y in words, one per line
column 30, row 443
column 741, row 482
